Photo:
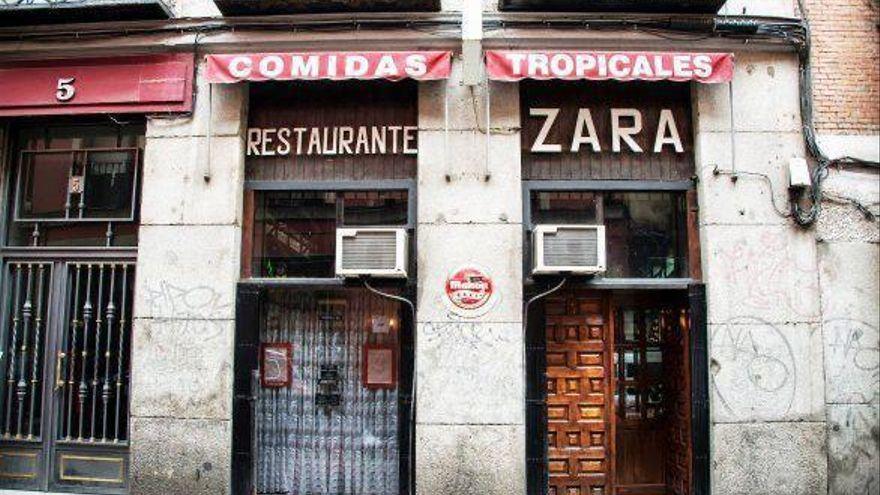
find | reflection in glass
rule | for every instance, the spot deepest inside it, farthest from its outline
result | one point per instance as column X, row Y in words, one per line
column 631, row 363
column 631, row 400
column 654, row 361
column 629, row 325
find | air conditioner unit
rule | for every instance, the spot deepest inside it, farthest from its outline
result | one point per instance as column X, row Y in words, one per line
column 575, row 249
column 373, row 252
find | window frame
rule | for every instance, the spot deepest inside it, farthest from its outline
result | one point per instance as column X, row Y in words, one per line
column 685, row 187
column 16, row 170
column 248, row 216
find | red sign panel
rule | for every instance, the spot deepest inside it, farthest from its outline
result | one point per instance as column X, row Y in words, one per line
column 309, row 66
column 508, row 65
column 380, row 366
column 276, row 360
column 469, row 288
column 152, row 83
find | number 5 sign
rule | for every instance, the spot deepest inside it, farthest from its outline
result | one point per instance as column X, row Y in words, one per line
column 65, row 91
column 135, row 84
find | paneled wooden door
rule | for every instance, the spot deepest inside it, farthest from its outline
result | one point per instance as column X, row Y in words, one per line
column 579, row 393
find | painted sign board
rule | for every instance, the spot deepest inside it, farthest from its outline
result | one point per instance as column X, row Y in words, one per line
column 469, row 291
column 332, row 140
column 514, row 65
column 606, row 130
column 137, row 84
column 336, row 66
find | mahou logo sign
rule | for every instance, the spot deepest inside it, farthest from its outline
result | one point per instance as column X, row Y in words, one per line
column 469, row 290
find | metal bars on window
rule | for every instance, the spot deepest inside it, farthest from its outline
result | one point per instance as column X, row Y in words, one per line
column 25, row 309
column 76, row 185
column 92, row 363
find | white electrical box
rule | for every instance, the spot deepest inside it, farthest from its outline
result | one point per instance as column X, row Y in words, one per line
column 799, row 174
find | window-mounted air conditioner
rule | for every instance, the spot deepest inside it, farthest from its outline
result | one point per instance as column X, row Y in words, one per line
column 574, row 249
column 371, row 252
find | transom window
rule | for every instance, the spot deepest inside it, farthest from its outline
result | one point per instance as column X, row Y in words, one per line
column 645, row 231
column 295, row 231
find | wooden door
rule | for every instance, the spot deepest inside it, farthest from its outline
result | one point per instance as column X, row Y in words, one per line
column 579, row 396
column 652, row 429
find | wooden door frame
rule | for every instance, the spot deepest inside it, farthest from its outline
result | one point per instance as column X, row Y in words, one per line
column 536, row 395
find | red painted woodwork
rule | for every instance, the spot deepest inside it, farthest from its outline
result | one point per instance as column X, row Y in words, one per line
column 138, row 84
column 379, row 359
column 578, row 394
column 275, row 364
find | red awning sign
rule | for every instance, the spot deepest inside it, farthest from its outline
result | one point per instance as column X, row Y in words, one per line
column 511, row 65
column 309, row 66
column 141, row 84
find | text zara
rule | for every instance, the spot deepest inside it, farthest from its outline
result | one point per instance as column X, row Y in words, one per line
column 625, row 124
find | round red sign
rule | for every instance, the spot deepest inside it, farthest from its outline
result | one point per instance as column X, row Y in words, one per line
column 469, row 288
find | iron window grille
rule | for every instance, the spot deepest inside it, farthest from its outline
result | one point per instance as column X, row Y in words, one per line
column 99, row 182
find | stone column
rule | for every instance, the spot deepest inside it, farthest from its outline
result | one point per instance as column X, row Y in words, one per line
column 470, row 435
column 765, row 337
column 184, row 315
column 849, row 261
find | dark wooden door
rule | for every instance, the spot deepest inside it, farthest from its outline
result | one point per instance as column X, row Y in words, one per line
column 579, row 398
column 652, row 429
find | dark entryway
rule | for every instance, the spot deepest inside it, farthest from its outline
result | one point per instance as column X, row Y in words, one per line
column 325, row 374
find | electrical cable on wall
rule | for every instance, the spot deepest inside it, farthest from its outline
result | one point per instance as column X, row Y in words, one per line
column 795, row 32
column 412, row 405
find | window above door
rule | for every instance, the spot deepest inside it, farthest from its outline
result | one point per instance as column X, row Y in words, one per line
column 294, row 232
column 646, row 232
column 74, row 184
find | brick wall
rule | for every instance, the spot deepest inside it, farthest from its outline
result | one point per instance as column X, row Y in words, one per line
column 846, row 77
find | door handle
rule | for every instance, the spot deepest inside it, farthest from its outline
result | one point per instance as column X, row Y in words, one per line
column 59, row 380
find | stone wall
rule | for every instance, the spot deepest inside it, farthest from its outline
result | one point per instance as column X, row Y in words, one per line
column 849, row 263
column 792, row 312
column 184, row 315
column 765, row 335
column 470, row 432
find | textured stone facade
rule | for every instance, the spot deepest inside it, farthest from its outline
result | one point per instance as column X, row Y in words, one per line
column 793, row 313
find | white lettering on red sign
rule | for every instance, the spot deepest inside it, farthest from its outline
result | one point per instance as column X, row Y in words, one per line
column 504, row 65
column 337, row 140
column 65, row 90
column 328, row 65
column 626, row 123
column 469, row 288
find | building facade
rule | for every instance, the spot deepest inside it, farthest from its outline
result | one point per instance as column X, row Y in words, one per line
column 183, row 184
